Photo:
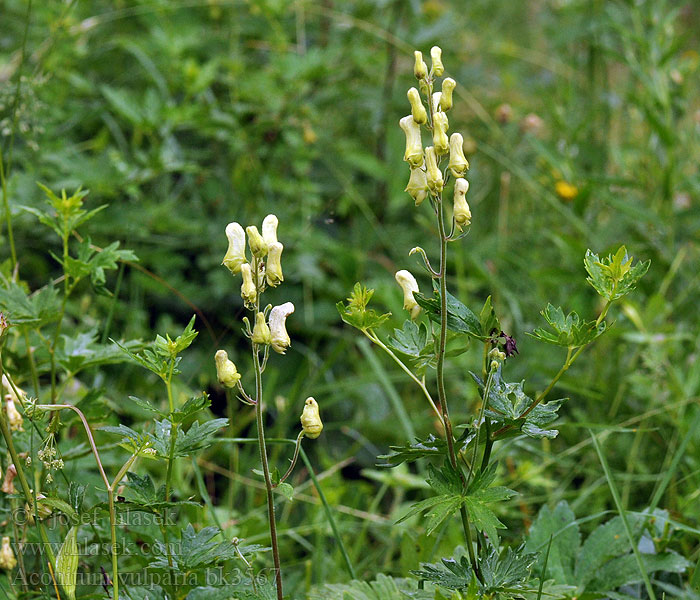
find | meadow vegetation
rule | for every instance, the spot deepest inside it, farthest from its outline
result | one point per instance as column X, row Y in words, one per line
column 471, row 270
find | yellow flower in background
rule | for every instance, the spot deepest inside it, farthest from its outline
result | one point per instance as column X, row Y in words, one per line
column 565, row 190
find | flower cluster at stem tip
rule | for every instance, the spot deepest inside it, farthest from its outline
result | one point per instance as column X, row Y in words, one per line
column 270, row 325
column 428, row 178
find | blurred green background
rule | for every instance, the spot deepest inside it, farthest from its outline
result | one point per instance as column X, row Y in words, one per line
column 186, row 115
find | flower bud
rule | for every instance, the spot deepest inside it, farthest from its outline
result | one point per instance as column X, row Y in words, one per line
column 414, row 145
column 462, row 214
column 278, row 327
column 8, row 486
column 417, row 185
column 273, row 269
column 420, row 69
column 261, row 331
column 7, row 557
column 409, row 285
column 440, row 140
column 565, row 190
column 436, row 57
column 226, row 371
column 310, row 419
column 448, row 86
column 458, row 162
column 433, row 174
column 269, row 229
column 13, row 415
column 256, row 242
column 235, row 255
column 494, row 366
column 418, row 111
column 248, row 289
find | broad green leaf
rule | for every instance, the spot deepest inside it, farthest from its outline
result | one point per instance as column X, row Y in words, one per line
column 143, row 489
column 459, row 318
column 488, row 320
column 82, row 351
column 624, row 570
column 382, row 588
column 31, row 310
column 561, row 525
column 191, row 407
column 67, row 563
column 285, row 490
column 411, row 340
column 198, row 436
column 431, row 446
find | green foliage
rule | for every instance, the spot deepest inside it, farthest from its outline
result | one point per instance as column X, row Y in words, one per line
column 507, row 403
column 459, row 318
column 614, row 276
column 604, row 562
column 356, row 312
column 569, row 330
column 67, row 563
column 382, row 588
column 414, row 340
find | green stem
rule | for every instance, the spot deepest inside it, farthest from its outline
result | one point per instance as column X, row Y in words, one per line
column 171, row 460
column 8, row 214
column 442, row 395
column 29, row 496
column 297, row 447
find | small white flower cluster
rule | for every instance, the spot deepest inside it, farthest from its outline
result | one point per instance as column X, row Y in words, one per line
column 47, row 455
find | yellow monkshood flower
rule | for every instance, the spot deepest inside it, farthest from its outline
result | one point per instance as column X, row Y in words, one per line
column 417, row 185
column 8, row 486
column 256, row 242
column 273, row 269
column 440, row 139
column 418, row 112
column 269, row 229
column 7, row 557
column 311, row 419
column 433, row 174
column 436, row 57
column 235, row 255
column 278, row 327
column 462, row 214
column 13, row 415
column 226, row 371
column 261, row 330
column 448, row 86
column 420, row 69
column 414, row 146
column 458, row 162
column 409, row 285
column 248, row 290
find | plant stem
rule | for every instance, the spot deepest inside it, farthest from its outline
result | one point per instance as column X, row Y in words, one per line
column 442, row 395
column 297, row 447
column 171, row 460
column 28, row 494
column 266, row 471
column 8, row 215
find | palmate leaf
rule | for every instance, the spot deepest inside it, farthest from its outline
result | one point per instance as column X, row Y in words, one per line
column 31, row 310
column 82, row 351
column 414, row 340
column 382, row 588
column 614, row 276
column 507, row 401
column 569, row 330
column 430, row 446
column 451, row 498
column 356, row 312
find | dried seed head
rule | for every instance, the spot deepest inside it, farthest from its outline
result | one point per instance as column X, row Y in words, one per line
column 311, row 423
column 226, row 371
